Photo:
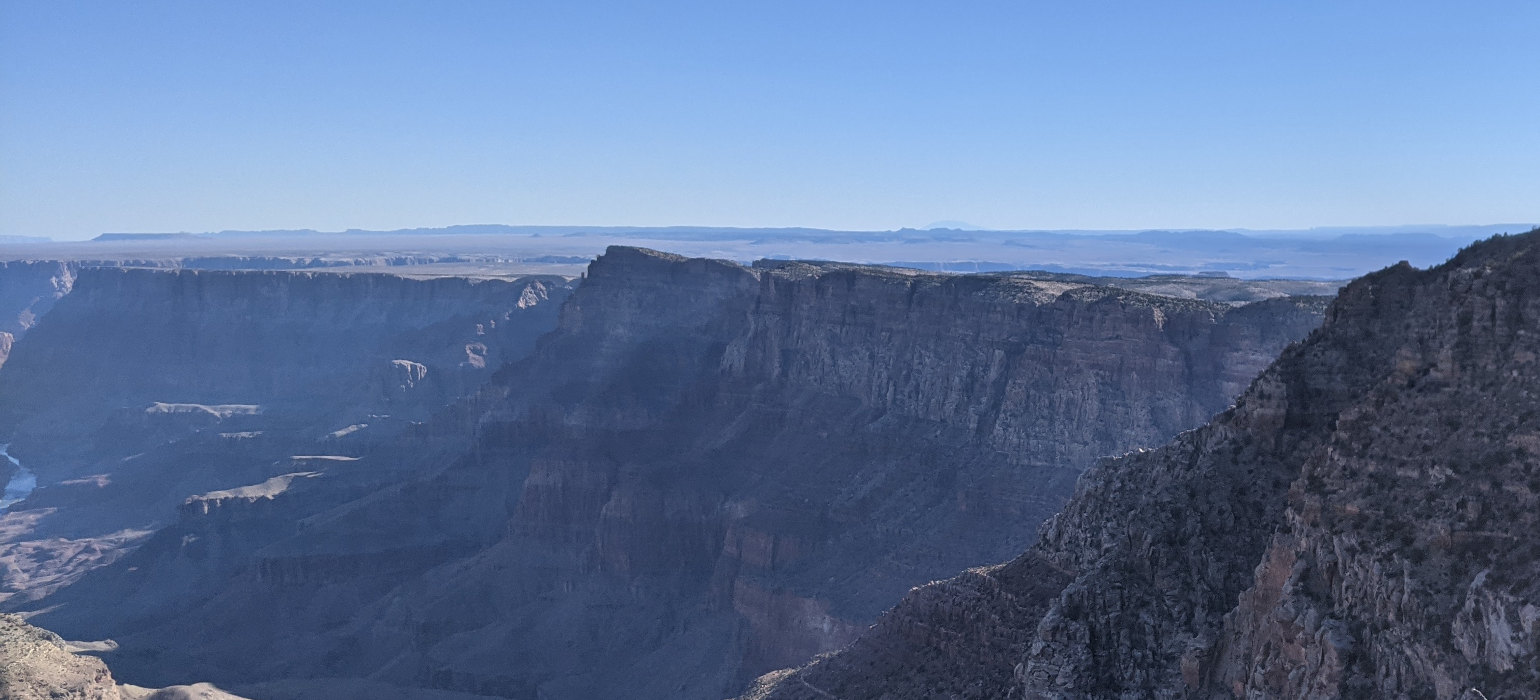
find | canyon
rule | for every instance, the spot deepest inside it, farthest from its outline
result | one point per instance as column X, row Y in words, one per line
column 769, row 351
column 1361, row 524
column 323, row 484
column 139, row 389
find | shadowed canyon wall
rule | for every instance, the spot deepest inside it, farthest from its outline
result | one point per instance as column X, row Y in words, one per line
column 27, row 291
column 142, row 388
column 706, row 471
column 1361, row 525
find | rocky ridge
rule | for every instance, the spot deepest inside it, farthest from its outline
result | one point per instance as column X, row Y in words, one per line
column 735, row 466
column 1360, row 524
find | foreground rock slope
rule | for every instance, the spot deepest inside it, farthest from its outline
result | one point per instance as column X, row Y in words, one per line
column 1362, row 524
column 706, row 471
column 36, row 664
column 28, row 289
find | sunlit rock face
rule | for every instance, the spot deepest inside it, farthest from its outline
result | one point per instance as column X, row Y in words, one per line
column 36, row 664
column 1361, row 525
column 704, row 472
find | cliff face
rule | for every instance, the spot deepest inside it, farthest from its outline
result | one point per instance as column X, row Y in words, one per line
column 142, row 388
column 28, row 290
column 1361, row 524
column 705, row 472
column 286, row 343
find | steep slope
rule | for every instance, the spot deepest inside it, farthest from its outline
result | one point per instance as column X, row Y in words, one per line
column 142, row 388
column 706, row 471
column 28, row 289
column 1361, row 524
column 297, row 344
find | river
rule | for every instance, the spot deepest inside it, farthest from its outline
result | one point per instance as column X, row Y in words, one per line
column 20, row 486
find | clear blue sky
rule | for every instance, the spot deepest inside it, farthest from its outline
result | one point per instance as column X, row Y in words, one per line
column 198, row 115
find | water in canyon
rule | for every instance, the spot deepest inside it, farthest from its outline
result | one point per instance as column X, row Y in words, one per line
column 21, row 485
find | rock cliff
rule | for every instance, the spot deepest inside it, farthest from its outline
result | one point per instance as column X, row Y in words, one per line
column 1360, row 525
column 706, row 471
column 28, row 289
column 37, row 665
column 290, row 343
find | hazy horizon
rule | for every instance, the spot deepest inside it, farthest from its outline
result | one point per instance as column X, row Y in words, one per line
column 1317, row 254
column 1457, row 231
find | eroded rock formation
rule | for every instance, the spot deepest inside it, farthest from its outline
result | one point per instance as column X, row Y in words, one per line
column 705, row 472
column 28, row 289
column 142, row 388
column 1362, row 524
column 36, row 664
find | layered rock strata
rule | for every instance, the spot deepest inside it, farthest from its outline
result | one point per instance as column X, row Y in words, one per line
column 705, row 472
column 142, row 388
column 1362, row 524
column 36, row 664
column 28, row 289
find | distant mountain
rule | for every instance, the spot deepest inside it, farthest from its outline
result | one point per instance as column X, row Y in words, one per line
column 1464, row 233
column 1320, row 254
column 144, row 236
column 954, row 225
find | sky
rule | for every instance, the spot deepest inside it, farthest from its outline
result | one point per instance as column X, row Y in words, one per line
column 205, row 116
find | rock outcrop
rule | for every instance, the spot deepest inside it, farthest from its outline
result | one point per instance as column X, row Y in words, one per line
column 705, row 472
column 36, row 664
column 1362, row 524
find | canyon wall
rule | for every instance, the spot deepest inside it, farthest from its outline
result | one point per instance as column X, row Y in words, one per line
column 1360, row 525
column 706, row 471
column 28, row 289
column 285, row 344
column 142, row 388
